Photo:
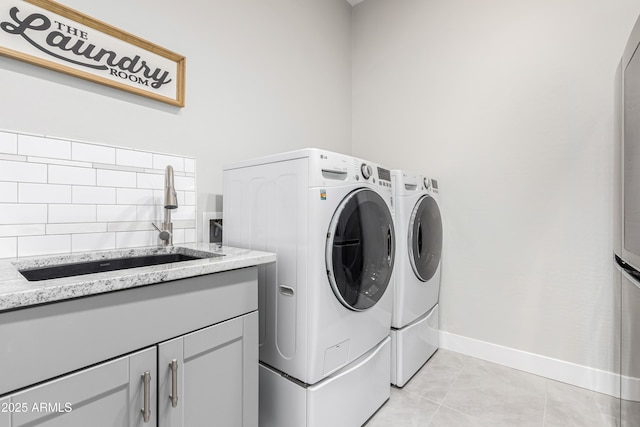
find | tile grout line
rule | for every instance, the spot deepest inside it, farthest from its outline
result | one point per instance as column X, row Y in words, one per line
column 454, row 381
column 546, row 396
column 434, row 416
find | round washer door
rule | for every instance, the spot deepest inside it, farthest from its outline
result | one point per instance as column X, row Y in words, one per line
column 425, row 238
column 360, row 249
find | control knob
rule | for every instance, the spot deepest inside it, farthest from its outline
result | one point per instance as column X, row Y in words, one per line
column 427, row 183
column 366, row 171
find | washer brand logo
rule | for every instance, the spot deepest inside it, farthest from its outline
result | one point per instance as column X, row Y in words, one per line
column 49, row 36
column 323, row 194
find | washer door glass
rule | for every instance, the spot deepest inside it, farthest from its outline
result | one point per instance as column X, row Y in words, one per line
column 360, row 249
column 425, row 238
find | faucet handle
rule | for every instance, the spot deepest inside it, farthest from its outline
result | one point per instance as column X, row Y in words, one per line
column 164, row 234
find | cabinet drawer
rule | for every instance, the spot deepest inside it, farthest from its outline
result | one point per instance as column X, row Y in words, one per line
column 107, row 395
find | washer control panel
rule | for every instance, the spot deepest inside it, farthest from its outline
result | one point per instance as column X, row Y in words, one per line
column 331, row 169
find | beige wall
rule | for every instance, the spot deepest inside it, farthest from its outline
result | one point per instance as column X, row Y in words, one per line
column 509, row 104
column 262, row 77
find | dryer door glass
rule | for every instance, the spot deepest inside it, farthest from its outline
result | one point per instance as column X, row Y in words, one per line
column 360, row 249
column 425, row 238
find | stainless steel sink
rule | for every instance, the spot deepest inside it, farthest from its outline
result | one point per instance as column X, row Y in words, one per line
column 132, row 259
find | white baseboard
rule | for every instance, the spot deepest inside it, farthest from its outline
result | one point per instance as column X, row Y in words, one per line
column 555, row 369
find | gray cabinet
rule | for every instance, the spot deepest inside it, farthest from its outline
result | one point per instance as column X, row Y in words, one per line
column 96, row 366
column 107, row 395
column 210, row 376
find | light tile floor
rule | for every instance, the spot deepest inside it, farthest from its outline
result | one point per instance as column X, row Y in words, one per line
column 454, row 390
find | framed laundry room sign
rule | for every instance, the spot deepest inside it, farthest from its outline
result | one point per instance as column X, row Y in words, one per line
column 51, row 35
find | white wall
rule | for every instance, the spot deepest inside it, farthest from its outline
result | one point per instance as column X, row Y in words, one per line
column 262, row 77
column 59, row 196
column 509, row 104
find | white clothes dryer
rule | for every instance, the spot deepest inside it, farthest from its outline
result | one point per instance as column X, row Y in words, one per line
column 325, row 313
column 416, row 289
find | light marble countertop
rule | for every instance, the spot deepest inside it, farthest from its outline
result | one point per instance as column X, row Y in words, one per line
column 18, row 292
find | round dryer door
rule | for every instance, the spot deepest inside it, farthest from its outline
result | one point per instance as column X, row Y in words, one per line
column 425, row 238
column 360, row 249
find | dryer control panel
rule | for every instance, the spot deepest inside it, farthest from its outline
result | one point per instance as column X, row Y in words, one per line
column 407, row 183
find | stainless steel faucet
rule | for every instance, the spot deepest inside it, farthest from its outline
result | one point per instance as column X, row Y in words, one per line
column 170, row 202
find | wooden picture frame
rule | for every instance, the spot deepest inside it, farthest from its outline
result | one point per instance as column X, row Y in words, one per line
column 53, row 36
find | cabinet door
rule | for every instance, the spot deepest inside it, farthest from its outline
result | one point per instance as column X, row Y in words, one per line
column 217, row 376
column 107, row 395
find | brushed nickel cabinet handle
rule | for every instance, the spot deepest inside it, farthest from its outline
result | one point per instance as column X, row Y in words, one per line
column 146, row 410
column 174, row 382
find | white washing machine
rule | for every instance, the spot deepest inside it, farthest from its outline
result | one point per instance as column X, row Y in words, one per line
column 414, row 324
column 325, row 313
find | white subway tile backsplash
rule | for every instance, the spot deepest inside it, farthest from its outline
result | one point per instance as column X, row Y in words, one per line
column 44, row 245
column 8, row 192
column 71, row 175
column 71, row 213
column 43, row 147
column 128, row 196
column 50, row 161
column 22, row 172
column 23, row 214
column 178, row 236
column 149, row 213
column 134, row 158
column 93, row 153
column 184, row 213
column 130, row 239
column 160, row 161
column 13, row 157
column 131, row 226
column 77, row 227
column 103, row 166
column 8, row 247
column 43, row 193
column 94, row 195
column 152, row 181
column 185, row 183
column 93, row 242
column 190, row 198
column 59, row 196
column 184, row 224
column 158, row 197
column 190, row 235
column 112, row 213
column 189, row 165
column 22, row 230
column 111, row 178
column 8, row 143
